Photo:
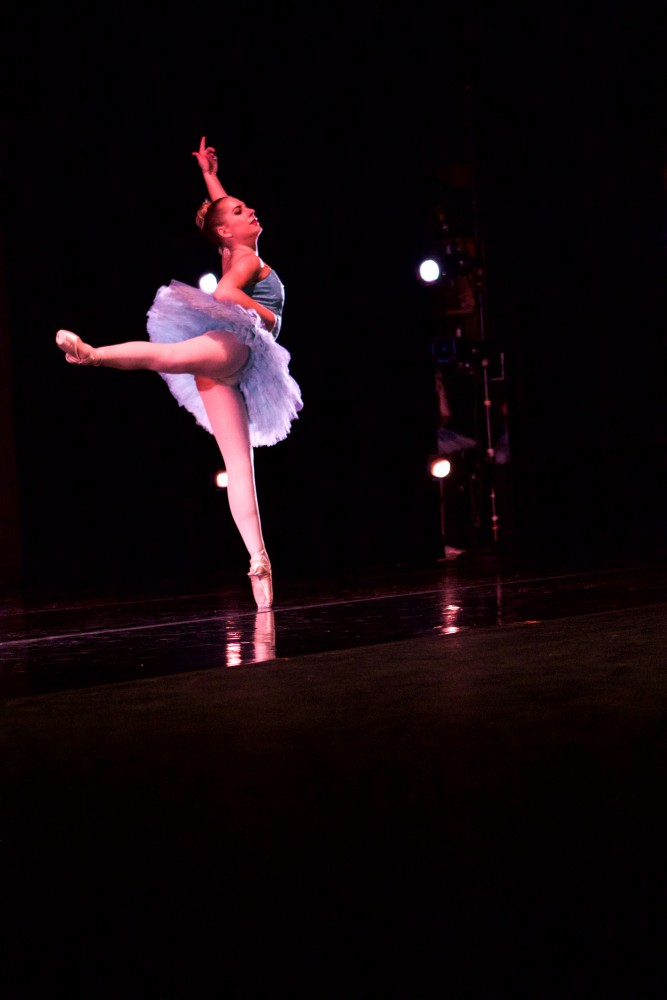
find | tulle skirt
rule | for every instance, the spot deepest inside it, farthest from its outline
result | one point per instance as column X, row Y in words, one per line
column 272, row 396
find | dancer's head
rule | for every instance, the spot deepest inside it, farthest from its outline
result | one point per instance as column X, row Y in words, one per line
column 227, row 221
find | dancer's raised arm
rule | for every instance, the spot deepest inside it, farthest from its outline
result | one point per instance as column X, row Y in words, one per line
column 208, row 163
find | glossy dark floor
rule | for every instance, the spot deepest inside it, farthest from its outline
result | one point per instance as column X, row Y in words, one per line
column 440, row 782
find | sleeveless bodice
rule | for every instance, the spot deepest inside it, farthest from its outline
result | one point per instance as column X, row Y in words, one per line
column 269, row 292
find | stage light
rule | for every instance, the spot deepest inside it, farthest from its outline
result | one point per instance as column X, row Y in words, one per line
column 449, row 262
column 208, row 283
column 429, row 271
column 220, row 480
column 439, row 467
column 462, row 350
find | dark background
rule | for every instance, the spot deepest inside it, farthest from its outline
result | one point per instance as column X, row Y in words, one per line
column 342, row 126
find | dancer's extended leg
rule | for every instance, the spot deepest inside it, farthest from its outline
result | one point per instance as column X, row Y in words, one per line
column 215, row 354
column 226, row 410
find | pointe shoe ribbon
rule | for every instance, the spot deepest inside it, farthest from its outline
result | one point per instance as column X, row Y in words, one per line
column 262, row 580
column 72, row 345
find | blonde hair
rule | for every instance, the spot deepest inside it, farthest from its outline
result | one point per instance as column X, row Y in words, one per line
column 209, row 217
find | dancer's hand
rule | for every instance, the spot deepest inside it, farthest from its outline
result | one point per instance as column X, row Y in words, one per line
column 206, row 158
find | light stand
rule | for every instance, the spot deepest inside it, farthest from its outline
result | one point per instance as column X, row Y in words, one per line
column 481, row 306
column 459, row 306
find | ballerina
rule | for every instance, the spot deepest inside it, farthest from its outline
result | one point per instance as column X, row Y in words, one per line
column 219, row 356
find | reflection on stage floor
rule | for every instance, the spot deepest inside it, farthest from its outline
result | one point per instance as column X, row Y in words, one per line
column 62, row 641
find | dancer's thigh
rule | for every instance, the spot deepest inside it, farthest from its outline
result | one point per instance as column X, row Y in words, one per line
column 215, row 354
column 227, row 412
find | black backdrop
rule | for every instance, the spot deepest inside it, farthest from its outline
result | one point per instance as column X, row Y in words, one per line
column 339, row 128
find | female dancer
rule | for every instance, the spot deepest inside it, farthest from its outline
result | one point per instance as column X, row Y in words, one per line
column 219, row 357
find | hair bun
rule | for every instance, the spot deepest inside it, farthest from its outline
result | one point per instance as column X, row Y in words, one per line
column 201, row 213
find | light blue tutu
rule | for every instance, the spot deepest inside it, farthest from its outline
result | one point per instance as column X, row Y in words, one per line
column 272, row 396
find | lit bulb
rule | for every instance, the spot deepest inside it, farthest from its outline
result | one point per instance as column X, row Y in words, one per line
column 208, row 283
column 440, row 468
column 429, row 271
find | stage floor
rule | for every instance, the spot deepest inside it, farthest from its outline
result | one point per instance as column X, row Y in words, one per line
column 61, row 641
column 416, row 783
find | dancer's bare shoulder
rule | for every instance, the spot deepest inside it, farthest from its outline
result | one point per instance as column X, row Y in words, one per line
column 242, row 270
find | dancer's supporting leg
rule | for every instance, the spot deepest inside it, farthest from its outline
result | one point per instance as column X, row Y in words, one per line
column 226, row 410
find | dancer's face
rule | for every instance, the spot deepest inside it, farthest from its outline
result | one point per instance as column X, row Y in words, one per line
column 239, row 221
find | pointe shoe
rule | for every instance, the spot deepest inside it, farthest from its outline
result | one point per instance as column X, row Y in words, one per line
column 261, row 580
column 73, row 347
